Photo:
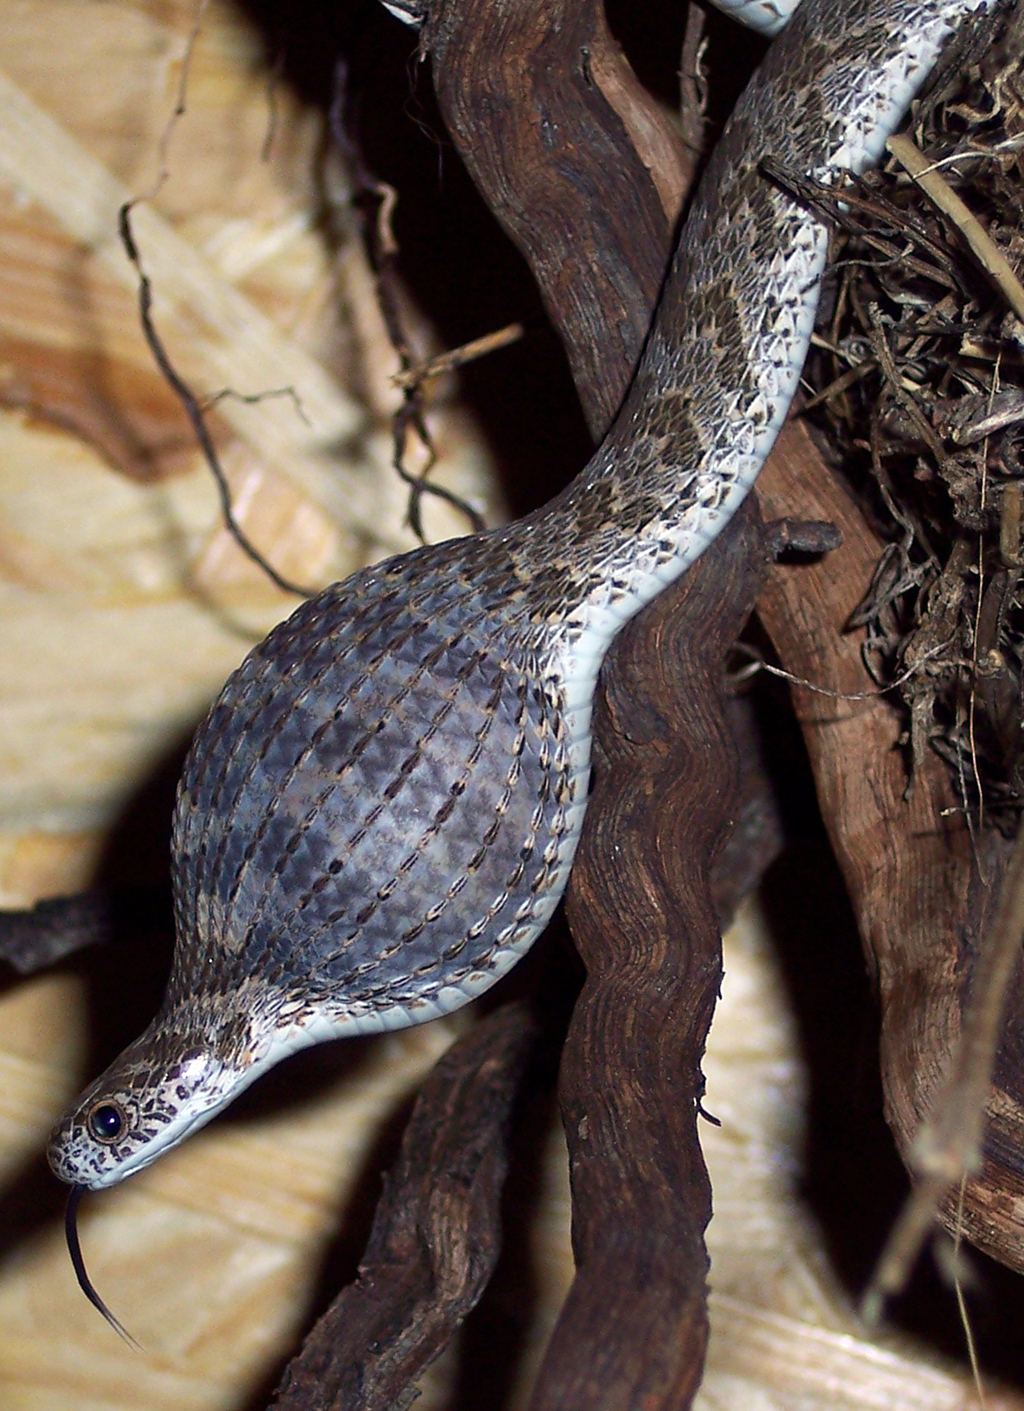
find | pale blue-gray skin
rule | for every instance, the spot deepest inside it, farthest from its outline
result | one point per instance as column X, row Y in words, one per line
column 379, row 814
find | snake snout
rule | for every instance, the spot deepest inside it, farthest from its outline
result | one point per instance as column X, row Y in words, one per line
column 161, row 1088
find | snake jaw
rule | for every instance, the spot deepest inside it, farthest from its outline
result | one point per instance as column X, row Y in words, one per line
column 150, row 1122
column 173, row 1079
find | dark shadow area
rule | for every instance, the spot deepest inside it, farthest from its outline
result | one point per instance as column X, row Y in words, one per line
column 31, row 1199
column 854, row 1181
column 494, row 1336
column 123, row 976
column 339, row 1264
column 494, row 1333
column 459, row 266
column 652, row 37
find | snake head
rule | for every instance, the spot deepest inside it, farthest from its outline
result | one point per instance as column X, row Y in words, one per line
column 187, row 1066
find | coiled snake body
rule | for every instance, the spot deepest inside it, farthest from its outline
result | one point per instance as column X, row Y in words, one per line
column 380, row 812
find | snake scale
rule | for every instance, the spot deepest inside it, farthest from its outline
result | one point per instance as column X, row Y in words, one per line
column 379, row 814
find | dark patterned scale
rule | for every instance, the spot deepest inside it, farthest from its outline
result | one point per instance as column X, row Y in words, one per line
column 402, row 813
column 380, row 812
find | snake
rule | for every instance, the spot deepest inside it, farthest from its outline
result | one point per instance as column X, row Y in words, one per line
column 379, row 814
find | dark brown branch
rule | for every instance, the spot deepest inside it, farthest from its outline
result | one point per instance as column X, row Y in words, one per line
column 908, row 864
column 633, row 1330
column 35, row 939
column 436, row 1235
column 562, row 140
column 908, row 861
column 545, row 143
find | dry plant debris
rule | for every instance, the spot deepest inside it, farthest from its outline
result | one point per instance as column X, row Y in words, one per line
column 917, row 374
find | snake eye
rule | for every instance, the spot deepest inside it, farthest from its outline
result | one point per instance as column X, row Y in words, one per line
column 107, row 1121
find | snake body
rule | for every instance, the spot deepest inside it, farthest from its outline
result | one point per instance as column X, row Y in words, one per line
column 380, row 812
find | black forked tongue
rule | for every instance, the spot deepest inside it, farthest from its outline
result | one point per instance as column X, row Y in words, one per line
column 78, row 1264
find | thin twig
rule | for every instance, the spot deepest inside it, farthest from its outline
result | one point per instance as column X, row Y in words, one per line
column 252, row 399
column 948, row 1145
column 758, row 663
column 458, row 357
column 273, row 80
column 838, row 206
column 890, row 372
column 194, row 412
column 382, row 250
column 844, row 381
column 961, row 1301
column 982, row 246
column 178, row 111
